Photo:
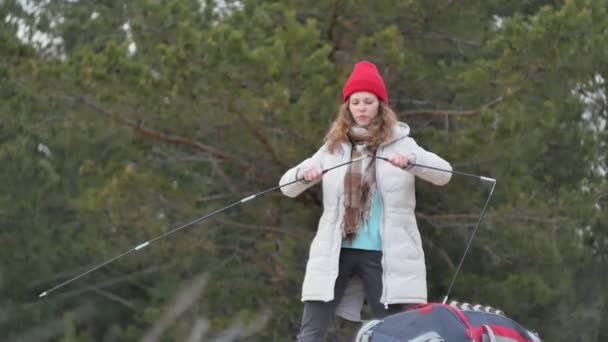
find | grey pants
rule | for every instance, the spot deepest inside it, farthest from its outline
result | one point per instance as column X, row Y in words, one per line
column 318, row 315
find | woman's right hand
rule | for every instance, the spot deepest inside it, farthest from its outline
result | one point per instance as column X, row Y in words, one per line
column 312, row 174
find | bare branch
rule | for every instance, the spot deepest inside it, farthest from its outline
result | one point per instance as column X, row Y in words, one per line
column 54, row 328
column 239, row 331
column 217, row 169
column 489, row 217
column 171, row 139
column 255, row 227
column 447, row 112
column 216, row 197
column 199, row 330
column 440, row 252
column 106, row 283
column 333, row 20
column 182, row 303
column 251, row 257
column 439, row 112
column 455, row 40
column 112, row 297
column 450, row 217
column 259, row 135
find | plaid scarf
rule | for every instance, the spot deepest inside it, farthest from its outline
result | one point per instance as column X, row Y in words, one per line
column 359, row 183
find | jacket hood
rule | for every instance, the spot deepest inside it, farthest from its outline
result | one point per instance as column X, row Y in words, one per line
column 400, row 131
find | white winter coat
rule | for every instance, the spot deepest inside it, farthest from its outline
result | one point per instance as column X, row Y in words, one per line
column 404, row 273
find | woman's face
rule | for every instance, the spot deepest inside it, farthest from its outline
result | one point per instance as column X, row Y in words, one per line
column 363, row 106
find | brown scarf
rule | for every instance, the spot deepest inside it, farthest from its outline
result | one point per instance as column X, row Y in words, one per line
column 359, row 183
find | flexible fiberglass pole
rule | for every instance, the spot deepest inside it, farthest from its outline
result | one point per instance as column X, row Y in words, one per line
column 481, row 215
column 142, row 245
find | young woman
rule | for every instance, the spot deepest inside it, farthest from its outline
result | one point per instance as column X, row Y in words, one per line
column 367, row 244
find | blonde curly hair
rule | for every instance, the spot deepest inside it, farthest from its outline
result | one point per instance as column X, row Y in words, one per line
column 381, row 127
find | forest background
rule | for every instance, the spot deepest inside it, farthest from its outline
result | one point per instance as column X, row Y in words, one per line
column 121, row 120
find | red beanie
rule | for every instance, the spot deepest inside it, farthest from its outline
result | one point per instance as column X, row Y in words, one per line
column 365, row 77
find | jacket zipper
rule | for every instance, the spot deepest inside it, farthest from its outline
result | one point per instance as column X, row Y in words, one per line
column 340, row 214
column 384, row 296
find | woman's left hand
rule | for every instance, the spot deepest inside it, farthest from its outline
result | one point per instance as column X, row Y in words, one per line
column 399, row 160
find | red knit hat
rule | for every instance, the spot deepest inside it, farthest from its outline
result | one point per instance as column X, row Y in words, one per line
column 365, row 77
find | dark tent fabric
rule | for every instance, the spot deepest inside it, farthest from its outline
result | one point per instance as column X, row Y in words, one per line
column 440, row 322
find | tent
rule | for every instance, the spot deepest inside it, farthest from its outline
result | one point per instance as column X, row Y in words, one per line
column 436, row 322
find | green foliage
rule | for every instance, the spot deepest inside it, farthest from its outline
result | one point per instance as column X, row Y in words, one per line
column 128, row 131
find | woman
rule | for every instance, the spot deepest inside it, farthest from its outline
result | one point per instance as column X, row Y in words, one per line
column 367, row 244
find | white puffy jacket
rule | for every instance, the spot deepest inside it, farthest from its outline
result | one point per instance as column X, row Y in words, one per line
column 404, row 273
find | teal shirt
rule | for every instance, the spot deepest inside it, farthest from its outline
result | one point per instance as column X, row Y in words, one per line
column 368, row 234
